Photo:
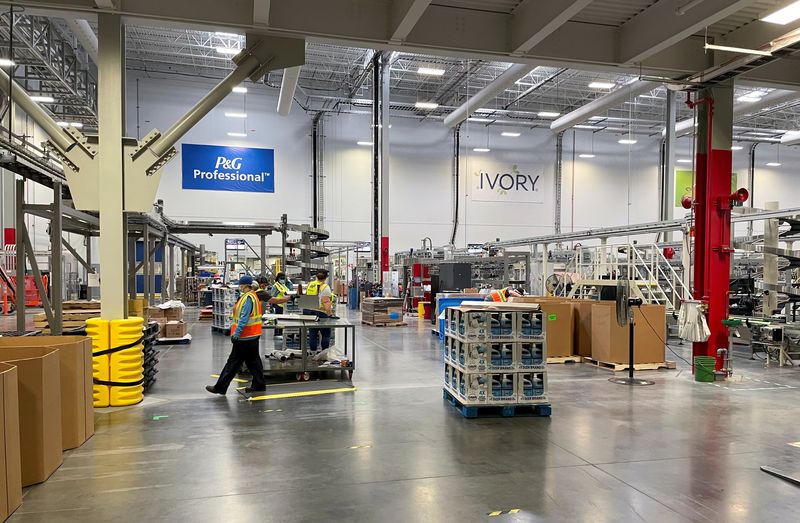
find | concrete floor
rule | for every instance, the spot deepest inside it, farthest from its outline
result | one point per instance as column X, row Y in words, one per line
column 676, row 451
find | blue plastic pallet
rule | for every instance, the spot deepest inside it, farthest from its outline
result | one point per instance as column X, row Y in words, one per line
column 494, row 411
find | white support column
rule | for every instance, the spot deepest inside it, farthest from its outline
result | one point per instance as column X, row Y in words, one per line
column 668, row 180
column 770, row 300
column 545, row 268
column 111, row 72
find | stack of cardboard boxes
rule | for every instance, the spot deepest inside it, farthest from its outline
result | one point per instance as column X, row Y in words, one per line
column 170, row 322
column 588, row 329
column 382, row 311
column 46, row 402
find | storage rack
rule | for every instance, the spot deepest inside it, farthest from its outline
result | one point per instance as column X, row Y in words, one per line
column 223, row 300
column 150, row 354
column 495, row 356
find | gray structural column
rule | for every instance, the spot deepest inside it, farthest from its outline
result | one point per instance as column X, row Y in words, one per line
column 111, row 72
column 667, row 186
column 173, row 288
column 771, row 238
column 384, row 144
column 56, row 262
column 557, row 181
column 20, row 226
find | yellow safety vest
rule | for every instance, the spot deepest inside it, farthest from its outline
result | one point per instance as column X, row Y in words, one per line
column 253, row 326
column 315, row 288
column 499, row 296
column 282, row 289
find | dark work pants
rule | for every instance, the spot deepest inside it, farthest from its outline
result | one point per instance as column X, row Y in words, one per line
column 243, row 351
column 315, row 334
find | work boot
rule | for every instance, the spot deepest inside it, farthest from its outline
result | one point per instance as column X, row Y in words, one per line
column 212, row 390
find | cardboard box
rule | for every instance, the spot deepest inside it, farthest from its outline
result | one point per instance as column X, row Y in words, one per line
column 10, row 466
column 559, row 316
column 583, row 327
column 610, row 340
column 162, row 329
column 173, row 314
column 39, row 410
column 156, row 314
column 175, row 329
column 75, row 363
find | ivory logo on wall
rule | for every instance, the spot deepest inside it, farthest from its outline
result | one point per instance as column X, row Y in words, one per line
column 513, row 185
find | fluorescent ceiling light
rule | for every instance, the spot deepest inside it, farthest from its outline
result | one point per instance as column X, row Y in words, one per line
column 228, row 50
column 510, row 134
column 236, row 115
column 5, row 62
column 773, row 164
column 76, row 125
column 684, row 160
column 585, row 156
column 238, row 135
column 750, row 98
column 602, row 85
column 484, row 111
column 239, row 89
column 627, row 141
column 43, row 99
column 480, row 120
column 548, row 114
column 229, row 35
column 426, row 105
column 431, row 71
column 586, row 127
column 736, row 148
column 365, row 101
column 481, row 149
column 367, row 144
column 784, row 16
column 741, row 50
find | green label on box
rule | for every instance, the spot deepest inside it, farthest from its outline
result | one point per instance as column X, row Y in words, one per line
column 551, row 317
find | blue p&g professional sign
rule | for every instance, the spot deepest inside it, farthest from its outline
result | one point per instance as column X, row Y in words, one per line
column 217, row 168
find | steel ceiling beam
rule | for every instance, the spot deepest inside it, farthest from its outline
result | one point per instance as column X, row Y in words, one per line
column 404, row 16
column 532, row 22
column 602, row 104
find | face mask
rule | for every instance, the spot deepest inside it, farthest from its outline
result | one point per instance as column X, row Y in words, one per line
column 282, row 280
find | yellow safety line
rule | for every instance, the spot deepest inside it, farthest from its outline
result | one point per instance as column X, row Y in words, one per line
column 237, row 380
column 301, row 394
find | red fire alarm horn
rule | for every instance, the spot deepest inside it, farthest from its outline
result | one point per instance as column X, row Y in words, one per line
column 669, row 253
column 686, row 202
column 740, row 196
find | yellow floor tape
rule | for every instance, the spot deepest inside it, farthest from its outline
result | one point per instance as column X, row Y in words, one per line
column 237, row 380
column 301, row 394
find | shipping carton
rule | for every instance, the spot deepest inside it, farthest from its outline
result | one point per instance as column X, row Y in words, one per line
column 559, row 317
column 156, row 314
column 610, row 340
column 173, row 314
column 10, row 466
column 75, row 362
column 39, row 410
column 583, row 327
column 175, row 329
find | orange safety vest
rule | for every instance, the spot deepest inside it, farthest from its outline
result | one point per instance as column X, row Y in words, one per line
column 253, row 327
column 499, row 295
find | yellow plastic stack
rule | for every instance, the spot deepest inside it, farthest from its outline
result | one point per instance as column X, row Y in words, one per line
column 125, row 366
column 97, row 329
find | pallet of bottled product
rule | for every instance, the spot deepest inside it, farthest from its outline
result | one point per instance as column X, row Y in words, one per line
column 483, row 356
column 496, row 388
column 501, row 322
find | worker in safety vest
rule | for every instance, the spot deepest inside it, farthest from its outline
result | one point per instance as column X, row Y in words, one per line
column 502, row 295
column 280, row 289
column 245, row 335
column 323, row 311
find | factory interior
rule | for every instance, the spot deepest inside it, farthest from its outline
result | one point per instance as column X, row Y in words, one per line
column 399, row 260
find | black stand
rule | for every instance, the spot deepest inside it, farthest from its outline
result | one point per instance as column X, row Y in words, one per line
column 630, row 380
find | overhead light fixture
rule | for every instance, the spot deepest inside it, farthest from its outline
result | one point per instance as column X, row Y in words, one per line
column 586, row 155
column 750, row 97
column 510, row 134
column 742, row 50
column 5, row 62
column 429, row 106
column 481, row 149
column 548, row 114
column 239, row 89
column 76, row 125
column 773, row 164
column 227, row 35
column 736, row 148
column 236, row 115
column 602, row 85
column 237, row 135
column 43, row 99
column 364, row 101
column 684, row 160
column 228, row 50
column 784, row 16
column 480, row 120
column 627, row 141
column 592, row 127
column 430, row 71
column 366, row 144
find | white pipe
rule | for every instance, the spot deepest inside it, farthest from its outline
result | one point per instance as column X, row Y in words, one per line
column 791, row 138
column 288, row 85
column 488, row 93
column 602, row 104
column 86, row 37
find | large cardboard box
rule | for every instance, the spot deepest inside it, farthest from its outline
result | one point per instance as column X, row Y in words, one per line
column 156, row 314
column 583, row 327
column 10, row 467
column 559, row 319
column 173, row 314
column 610, row 340
column 175, row 329
column 75, row 364
column 39, row 410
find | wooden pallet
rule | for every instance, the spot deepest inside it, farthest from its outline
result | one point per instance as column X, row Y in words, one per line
column 371, row 324
column 81, row 304
column 71, row 315
column 64, row 324
column 617, row 367
column 564, row 359
column 494, row 411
